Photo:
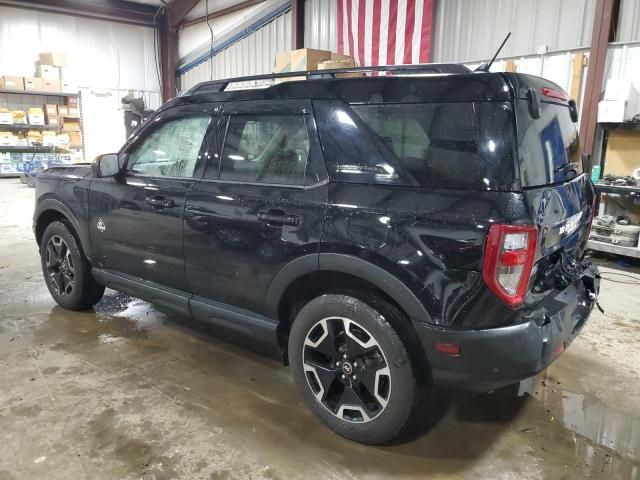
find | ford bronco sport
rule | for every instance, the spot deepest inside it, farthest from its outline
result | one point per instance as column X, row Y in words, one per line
column 385, row 232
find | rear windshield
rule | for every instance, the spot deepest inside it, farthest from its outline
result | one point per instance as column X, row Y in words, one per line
column 440, row 145
column 548, row 146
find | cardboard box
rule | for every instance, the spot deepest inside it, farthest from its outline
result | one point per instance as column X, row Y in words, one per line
column 36, row 116
column 51, row 112
column 340, row 56
column 72, row 101
column 63, row 110
column 7, row 139
column 74, row 112
column 12, row 83
column 70, row 125
column 343, row 63
column 33, row 84
column 306, row 59
column 6, row 118
column 614, row 111
column 19, row 117
column 62, row 140
column 57, row 59
column 68, row 87
column 34, row 137
column 75, row 139
column 623, row 153
column 283, row 63
column 51, row 85
column 49, row 138
column 48, row 72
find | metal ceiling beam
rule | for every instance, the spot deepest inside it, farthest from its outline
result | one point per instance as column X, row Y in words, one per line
column 222, row 12
column 120, row 11
column 297, row 24
column 604, row 21
column 178, row 9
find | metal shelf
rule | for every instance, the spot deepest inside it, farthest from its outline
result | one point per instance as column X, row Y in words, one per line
column 618, row 189
column 39, row 92
column 14, row 149
column 26, row 126
column 611, row 248
column 632, row 126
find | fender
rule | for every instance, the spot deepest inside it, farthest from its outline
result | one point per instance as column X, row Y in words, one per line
column 78, row 225
column 351, row 265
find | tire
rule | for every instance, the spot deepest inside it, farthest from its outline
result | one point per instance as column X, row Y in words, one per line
column 352, row 368
column 66, row 270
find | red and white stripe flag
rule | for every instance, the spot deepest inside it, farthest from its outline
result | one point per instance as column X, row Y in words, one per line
column 385, row 32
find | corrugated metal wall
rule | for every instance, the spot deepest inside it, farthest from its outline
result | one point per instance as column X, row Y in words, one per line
column 629, row 21
column 320, row 24
column 471, row 30
column 252, row 55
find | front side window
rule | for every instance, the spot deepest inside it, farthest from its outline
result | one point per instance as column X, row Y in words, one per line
column 171, row 150
column 265, row 149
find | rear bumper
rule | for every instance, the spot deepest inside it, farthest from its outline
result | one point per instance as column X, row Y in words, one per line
column 502, row 356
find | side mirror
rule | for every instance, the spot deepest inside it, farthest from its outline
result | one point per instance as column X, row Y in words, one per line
column 107, row 165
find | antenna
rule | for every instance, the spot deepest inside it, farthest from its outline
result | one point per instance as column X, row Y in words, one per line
column 486, row 66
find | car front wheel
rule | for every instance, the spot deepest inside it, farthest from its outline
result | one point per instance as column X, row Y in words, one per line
column 352, row 367
column 66, row 270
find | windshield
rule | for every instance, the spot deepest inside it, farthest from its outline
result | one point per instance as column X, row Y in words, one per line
column 548, row 146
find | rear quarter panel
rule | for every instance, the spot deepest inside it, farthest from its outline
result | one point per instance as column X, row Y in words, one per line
column 432, row 240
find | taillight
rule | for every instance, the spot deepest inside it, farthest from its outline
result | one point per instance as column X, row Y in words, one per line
column 508, row 260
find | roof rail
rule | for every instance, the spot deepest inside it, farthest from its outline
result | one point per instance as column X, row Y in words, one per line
column 216, row 86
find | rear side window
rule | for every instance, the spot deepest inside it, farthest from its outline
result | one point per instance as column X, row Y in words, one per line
column 548, row 147
column 440, row 145
column 265, row 149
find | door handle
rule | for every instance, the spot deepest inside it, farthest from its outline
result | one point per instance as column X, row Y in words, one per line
column 278, row 217
column 159, row 202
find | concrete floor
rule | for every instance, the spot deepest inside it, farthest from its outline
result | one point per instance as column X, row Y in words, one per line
column 130, row 392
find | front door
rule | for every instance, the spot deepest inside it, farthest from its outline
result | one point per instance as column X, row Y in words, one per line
column 136, row 217
column 260, row 204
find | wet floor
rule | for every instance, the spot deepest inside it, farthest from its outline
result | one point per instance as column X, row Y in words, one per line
column 128, row 391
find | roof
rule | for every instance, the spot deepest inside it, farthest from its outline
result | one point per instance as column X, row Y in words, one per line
column 456, row 85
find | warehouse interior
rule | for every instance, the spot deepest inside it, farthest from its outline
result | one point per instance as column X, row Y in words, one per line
column 130, row 390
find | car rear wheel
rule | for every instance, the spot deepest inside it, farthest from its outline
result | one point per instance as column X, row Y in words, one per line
column 66, row 271
column 352, row 368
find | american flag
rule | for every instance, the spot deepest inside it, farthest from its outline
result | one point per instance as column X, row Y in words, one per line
column 385, row 32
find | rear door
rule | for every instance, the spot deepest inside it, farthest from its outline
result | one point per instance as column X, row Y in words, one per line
column 260, row 204
column 558, row 192
column 136, row 218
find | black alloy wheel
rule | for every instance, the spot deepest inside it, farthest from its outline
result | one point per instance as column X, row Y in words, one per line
column 346, row 369
column 59, row 265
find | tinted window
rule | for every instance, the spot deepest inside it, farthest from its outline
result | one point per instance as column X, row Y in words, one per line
column 441, row 145
column 265, row 148
column 548, row 146
column 171, row 150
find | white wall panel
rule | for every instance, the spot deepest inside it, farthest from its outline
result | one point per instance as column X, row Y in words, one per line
column 193, row 36
column 629, row 21
column 99, row 53
column 471, row 30
column 320, row 24
column 252, row 55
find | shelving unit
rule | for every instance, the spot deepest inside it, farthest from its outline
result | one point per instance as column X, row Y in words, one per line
column 632, row 192
column 22, row 100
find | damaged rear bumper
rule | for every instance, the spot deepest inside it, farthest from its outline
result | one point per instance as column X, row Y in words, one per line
column 496, row 357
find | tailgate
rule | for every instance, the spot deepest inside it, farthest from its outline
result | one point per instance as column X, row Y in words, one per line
column 562, row 213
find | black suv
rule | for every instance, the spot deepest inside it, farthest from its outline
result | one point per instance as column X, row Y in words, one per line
column 386, row 232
